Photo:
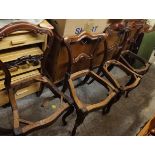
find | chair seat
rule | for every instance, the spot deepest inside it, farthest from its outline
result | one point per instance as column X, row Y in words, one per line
column 48, row 120
column 93, row 106
column 145, row 65
column 45, row 121
column 132, row 83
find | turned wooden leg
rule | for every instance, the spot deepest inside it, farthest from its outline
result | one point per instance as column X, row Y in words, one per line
column 70, row 110
column 79, row 120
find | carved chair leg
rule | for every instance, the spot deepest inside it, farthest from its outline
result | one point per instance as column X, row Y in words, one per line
column 70, row 110
column 79, row 120
column 126, row 93
column 16, row 124
column 87, row 77
column 107, row 108
column 40, row 89
column 65, row 84
column 64, row 87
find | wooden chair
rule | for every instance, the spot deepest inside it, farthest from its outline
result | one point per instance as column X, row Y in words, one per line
column 132, row 83
column 84, row 55
column 111, row 59
column 20, row 125
column 134, row 33
column 127, row 55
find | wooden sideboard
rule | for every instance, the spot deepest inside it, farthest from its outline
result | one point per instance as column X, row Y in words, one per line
column 17, row 45
column 58, row 59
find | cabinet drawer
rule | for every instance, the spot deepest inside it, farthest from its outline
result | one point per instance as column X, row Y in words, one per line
column 21, row 40
column 19, row 94
column 5, row 57
column 15, row 54
column 20, row 78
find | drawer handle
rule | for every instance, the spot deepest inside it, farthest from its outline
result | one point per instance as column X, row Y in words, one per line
column 17, row 42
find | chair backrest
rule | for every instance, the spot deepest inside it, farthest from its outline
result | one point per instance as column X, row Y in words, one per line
column 25, row 26
column 115, row 40
column 82, row 50
column 136, row 29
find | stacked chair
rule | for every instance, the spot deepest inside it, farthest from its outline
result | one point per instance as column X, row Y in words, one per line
column 81, row 50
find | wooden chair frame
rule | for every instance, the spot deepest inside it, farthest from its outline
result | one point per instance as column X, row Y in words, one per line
column 42, row 79
column 132, row 83
column 107, row 65
column 141, row 70
column 82, row 109
column 133, row 46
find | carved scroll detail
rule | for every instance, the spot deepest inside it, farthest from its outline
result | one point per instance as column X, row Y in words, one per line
column 82, row 56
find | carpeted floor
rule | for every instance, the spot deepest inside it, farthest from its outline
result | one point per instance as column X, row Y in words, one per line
column 126, row 117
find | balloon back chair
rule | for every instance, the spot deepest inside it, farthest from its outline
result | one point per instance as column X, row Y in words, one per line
column 20, row 125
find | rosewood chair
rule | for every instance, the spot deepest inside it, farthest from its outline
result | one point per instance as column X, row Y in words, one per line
column 83, row 57
column 20, row 125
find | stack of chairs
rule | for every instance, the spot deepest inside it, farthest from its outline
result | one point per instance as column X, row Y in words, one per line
column 114, row 55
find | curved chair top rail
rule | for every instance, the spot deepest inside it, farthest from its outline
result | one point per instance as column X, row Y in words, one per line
column 23, row 26
column 84, row 34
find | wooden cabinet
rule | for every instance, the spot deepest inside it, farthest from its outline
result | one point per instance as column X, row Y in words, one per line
column 58, row 59
column 15, row 46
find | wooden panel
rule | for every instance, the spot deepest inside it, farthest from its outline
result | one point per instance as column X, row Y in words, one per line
column 58, row 59
column 20, row 77
column 20, row 70
column 21, row 40
column 5, row 57
column 19, row 94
